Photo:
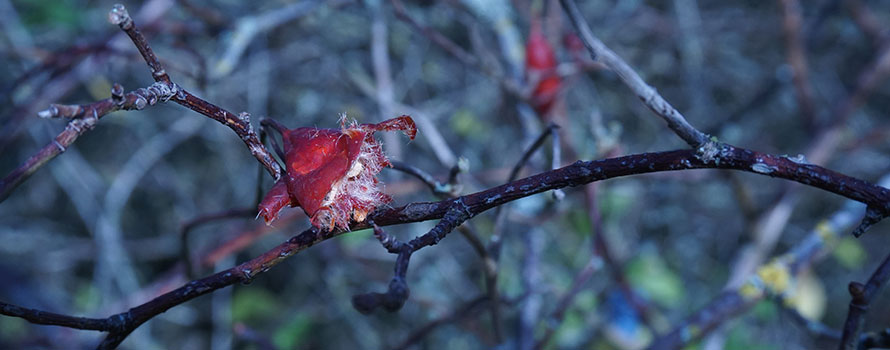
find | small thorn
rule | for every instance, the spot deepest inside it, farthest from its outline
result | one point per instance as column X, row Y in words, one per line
column 872, row 216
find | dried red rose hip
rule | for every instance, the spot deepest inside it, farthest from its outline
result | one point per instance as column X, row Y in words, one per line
column 331, row 173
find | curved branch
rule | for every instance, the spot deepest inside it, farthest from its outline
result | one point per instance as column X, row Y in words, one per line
column 240, row 124
column 579, row 173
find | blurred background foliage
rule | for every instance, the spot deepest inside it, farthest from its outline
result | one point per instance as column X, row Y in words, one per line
column 97, row 230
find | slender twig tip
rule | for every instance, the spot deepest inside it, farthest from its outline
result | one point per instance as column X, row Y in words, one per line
column 119, row 15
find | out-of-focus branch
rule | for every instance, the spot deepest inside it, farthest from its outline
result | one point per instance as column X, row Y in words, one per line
column 496, row 240
column 456, row 315
column 247, row 27
column 186, row 228
column 456, row 51
column 662, row 108
column 862, row 294
column 773, row 278
column 867, row 21
column 792, row 25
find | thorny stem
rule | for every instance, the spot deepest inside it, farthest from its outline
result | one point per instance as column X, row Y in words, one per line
column 454, row 211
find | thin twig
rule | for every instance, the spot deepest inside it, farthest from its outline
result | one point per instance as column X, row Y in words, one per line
column 862, row 295
column 438, row 188
column 83, row 118
column 240, row 123
column 644, row 92
column 496, row 240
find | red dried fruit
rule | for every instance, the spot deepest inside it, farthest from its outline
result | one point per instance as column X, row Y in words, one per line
column 540, row 61
column 331, row 173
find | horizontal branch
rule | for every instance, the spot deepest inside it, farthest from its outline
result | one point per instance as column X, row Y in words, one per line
column 582, row 172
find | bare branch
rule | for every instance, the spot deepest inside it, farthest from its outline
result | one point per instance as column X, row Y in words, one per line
column 862, row 298
column 453, row 212
column 644, row 92
column 240, row 123
column 83, row 118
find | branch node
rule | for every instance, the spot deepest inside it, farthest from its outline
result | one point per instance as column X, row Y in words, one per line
column 159, row 73
column 59, row 146
column 709, row 152
column 117, row 94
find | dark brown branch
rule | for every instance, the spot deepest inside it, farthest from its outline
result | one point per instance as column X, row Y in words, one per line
column 862, row 298
column 454, row 211
column 240, row 123
column 54, row 319
column 398, row 291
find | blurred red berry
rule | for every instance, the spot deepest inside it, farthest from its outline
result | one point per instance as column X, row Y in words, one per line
column 541, row 64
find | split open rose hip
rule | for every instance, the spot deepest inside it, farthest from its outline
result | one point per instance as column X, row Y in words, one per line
column 331, row 173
